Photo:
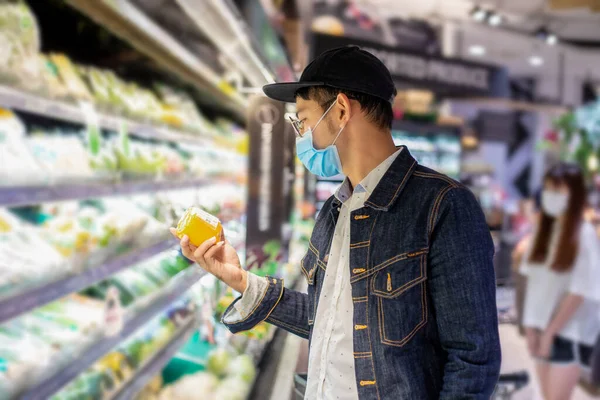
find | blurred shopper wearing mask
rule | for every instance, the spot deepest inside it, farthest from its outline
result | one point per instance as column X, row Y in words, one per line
column 401, row 289
column 562, row 266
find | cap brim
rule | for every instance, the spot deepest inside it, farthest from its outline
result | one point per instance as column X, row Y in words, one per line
column 287, row 91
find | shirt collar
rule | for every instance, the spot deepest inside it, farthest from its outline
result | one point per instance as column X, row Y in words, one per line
column 369, row 183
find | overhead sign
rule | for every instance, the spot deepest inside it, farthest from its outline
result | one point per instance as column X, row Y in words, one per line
column 266, row 127
column 445, row 76
column 415, row 35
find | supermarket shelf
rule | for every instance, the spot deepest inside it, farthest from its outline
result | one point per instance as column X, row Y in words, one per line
column 30, row 299
column 22, row 101
column 127, row 21
column 179, row 285
column 155, row 364
column 12, row 196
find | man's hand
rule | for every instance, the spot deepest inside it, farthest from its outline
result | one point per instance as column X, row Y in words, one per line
column 545, row 347
column 217, row 258
column 533, row 340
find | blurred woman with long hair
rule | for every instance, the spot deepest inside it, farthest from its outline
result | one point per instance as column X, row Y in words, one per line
column 562, row 295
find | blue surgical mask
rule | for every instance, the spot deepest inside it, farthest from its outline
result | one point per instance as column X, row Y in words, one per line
column 326, row 162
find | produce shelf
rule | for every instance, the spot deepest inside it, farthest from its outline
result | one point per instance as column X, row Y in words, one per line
column 12, row 196
column 127, row 21
column 38, row 296
column 50, row 386
column 155, row 364
column 22, row 101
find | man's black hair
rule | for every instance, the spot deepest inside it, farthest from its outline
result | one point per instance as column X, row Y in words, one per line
column 377, row 111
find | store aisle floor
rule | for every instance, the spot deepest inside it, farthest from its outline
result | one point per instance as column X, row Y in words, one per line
column 516, row 358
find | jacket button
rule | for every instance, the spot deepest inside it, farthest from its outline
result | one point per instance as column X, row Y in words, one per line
column 339, row 209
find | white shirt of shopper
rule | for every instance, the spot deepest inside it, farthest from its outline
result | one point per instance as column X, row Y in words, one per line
column 546, row 289
column 331, row 361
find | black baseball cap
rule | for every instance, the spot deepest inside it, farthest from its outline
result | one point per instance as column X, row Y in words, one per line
column 347, row 68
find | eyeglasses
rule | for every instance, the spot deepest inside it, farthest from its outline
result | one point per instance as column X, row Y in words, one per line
column 298, row 124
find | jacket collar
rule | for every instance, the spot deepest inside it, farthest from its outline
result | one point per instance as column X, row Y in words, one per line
column 393, row 182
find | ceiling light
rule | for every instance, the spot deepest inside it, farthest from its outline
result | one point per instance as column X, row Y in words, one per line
column 477, row 50
column 536, row 61
column 547, row 36
column 478, row 14
column 494, row 19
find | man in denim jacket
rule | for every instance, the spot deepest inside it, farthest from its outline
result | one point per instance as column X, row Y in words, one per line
column 401, row 288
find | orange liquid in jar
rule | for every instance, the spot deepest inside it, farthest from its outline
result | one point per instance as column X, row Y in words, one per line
column 199, row 226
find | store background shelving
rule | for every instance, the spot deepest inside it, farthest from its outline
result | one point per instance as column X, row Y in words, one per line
column 29, row 299
column 55, row 382
column 20, row 100
column 164, row 57
column 12, row 196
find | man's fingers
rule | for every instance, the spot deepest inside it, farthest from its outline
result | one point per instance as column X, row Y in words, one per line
column 213, row 250
column 203, row 248
column 185, row 247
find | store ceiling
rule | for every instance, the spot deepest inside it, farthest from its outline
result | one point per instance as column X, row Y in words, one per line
column 579, row 25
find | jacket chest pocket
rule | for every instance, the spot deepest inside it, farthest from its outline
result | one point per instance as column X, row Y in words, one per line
column 310, row 269
column 399, row 289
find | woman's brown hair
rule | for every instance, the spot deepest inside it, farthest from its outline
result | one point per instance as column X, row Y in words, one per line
column 568, row 242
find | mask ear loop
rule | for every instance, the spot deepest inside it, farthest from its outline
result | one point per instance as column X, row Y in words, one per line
column 323, row 116
column 338, row 135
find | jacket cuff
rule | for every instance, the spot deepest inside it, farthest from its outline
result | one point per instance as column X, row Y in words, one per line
column 255, row 290
column 261, row 308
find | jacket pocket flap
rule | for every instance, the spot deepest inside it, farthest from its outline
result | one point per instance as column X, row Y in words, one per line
column 398, row 277
column 309, row 266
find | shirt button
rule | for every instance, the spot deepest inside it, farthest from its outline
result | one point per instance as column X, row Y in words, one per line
column 339, row 209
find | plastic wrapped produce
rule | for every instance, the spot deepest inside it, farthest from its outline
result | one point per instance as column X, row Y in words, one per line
column 19, row 35
column 18, row 166
column 70, row 77
column 63, row 157
column 19, row 266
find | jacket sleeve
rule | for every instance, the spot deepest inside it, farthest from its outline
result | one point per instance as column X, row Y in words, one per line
column 462, row 285
column 266, row 299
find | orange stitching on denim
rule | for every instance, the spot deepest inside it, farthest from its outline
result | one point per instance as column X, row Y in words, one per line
column 431, row 213
column 435, row 208
column 364, row 356
column 363, row 352
column 398, row 291
column 366, row 383
column 360, row 327
column 293, row 328
column 358, row 270
column 278, row 300
column 360, row 244
column 361, row 217
column 416, row 329
column 406, row 339
column 369, row 337
column 369, row 249
column 435, row 176
column 408, row 173
column 313, row 249
column 399, row 257
column 304, row 270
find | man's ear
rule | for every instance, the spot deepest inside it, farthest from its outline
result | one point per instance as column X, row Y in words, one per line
column 344, row 110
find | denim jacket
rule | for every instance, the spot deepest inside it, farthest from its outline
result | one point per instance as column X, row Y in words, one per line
column 423, row 284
